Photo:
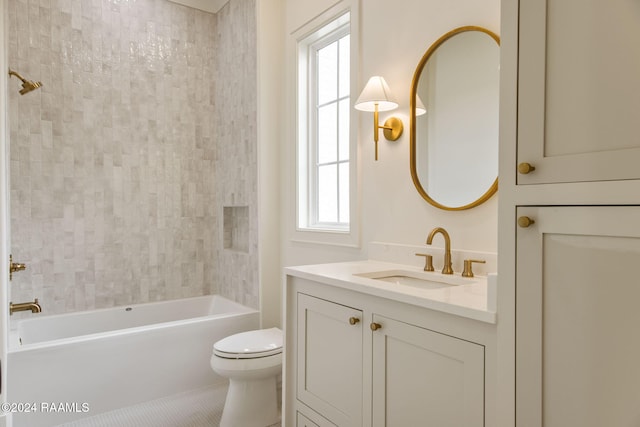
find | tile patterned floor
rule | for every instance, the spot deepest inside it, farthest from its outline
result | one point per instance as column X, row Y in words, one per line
column 196, row 408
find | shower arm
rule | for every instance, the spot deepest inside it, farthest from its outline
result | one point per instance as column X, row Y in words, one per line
column 15, row 73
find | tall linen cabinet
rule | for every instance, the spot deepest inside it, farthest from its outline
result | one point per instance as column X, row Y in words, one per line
column 569, row 239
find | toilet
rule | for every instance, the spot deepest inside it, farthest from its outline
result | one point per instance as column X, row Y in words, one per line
column 252, row 362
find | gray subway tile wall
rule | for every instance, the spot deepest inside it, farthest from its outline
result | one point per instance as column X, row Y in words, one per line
column 145, row 127
column 237, row 152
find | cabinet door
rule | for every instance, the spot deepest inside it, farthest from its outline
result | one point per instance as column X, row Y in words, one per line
column 329, row 360
column 424, row 378
column 578, row 90
column 577, row 317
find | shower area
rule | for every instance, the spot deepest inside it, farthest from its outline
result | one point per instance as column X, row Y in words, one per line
column 133, row 168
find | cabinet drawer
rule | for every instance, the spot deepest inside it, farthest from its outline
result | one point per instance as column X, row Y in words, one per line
column 303, row 421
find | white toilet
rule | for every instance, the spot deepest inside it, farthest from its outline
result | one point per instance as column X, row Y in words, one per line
column 252, row 361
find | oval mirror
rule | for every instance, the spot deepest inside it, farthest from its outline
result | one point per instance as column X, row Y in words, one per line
column 454, row 145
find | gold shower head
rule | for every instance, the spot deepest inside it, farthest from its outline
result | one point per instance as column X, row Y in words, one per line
column 27, row 85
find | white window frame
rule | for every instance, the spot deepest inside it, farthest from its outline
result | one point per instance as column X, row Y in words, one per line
column 325, row 29
column 313, row 164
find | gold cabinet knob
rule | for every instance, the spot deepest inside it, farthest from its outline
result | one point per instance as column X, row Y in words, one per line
column 525, row 168
column 375, row 326
column 525, row 221
column 353, row 320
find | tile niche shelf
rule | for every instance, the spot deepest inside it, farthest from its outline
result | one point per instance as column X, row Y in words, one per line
column 236, row 228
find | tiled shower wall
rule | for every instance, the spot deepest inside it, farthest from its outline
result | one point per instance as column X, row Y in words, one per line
column 236, row 152
column 117, row 161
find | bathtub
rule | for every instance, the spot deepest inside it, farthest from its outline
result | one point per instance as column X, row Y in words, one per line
column 70, row 366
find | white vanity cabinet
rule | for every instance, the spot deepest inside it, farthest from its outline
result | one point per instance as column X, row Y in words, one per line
column 353, row 359
column 578, row 96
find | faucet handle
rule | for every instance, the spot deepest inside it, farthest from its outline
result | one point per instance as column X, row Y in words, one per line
column 428, row 262
column 468, row 272
column 14, row 267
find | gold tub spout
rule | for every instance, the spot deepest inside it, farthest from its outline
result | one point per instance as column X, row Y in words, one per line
column 24, row 306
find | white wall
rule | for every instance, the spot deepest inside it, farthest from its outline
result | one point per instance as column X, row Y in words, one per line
column 394, row 36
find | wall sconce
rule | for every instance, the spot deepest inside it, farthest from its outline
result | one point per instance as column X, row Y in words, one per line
column 376, row 97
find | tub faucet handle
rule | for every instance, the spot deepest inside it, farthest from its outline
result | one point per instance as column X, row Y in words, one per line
column 14, row 267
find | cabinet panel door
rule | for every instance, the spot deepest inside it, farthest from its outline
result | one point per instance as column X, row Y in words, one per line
column 577, row 317
column 578, row 90
column 424, row 378
column 329, row 360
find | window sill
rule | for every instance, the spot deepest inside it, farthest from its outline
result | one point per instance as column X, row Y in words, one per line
column 333, row 237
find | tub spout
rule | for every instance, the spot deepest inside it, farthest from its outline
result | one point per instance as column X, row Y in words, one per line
column 24, row 306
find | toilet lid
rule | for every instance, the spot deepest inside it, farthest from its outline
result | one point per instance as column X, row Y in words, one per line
column 248, row 345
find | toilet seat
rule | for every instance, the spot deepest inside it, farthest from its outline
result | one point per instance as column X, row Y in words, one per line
column 250, row 345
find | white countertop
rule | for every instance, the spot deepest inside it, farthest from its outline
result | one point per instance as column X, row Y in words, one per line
column 475, row 300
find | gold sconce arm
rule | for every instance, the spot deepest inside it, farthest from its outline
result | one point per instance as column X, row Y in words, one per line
column 392, row 129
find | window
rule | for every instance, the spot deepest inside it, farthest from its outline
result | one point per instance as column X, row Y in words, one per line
column 325, row 148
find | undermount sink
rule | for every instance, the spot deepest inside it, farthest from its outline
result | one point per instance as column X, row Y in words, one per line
column 418, row 279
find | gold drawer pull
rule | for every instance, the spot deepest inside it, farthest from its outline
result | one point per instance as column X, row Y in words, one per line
column 375, row 326
column 353, row 320
column 525, row 168
column 525, row 221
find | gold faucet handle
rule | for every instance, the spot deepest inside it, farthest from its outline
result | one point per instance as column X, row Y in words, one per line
column 14, row 267
column 428, row 262
column 468, row 272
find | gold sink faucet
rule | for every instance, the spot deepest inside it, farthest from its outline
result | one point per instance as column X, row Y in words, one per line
column 447, row 269
column 24, row 306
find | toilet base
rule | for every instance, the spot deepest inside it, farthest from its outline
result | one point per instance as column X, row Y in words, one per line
column 252, row 403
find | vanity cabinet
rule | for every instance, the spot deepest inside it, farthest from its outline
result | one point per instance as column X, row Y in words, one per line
column 578, row 92
column 353, row 359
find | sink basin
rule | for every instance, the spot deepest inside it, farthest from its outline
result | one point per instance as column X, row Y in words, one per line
column 418, row 279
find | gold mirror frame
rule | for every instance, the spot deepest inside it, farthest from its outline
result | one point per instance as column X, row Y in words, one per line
column 412, row 129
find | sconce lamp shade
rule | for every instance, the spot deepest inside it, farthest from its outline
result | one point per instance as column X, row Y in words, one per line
column 420, row 108
column 376, row 92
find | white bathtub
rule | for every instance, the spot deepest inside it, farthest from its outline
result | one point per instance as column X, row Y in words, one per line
column 91, row 362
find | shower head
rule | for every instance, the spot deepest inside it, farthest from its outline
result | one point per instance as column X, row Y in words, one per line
column 27, row 85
